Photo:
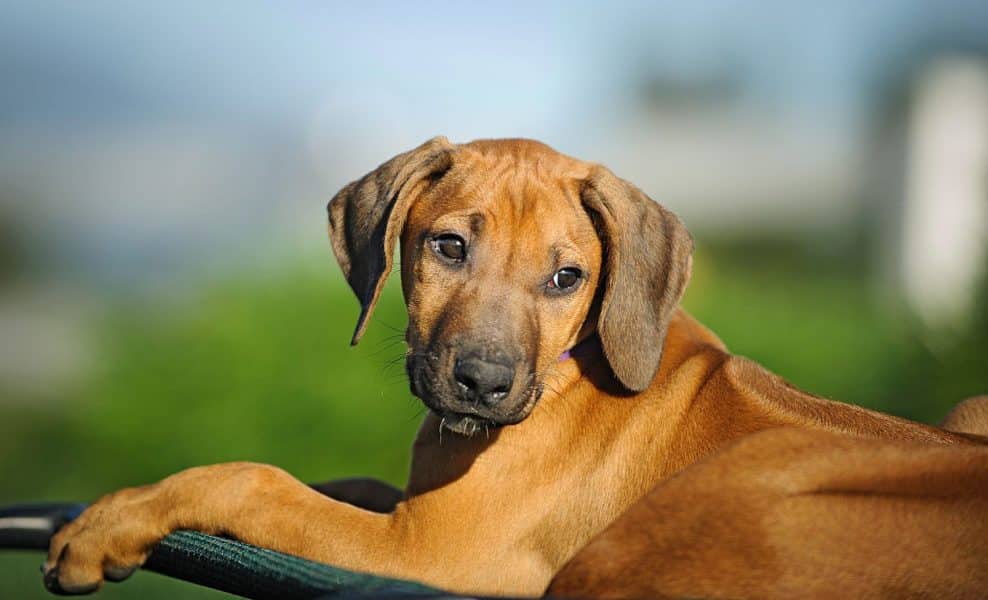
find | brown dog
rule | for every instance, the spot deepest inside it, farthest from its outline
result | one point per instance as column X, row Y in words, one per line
column 544, row 335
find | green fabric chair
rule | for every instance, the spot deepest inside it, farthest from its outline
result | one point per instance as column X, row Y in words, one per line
column 218, row 563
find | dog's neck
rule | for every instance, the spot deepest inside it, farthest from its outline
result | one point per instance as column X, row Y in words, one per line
column 439, row 459
column 585, row 415
column 685, row 337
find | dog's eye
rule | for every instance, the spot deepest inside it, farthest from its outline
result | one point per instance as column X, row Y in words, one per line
column 565, row 278
column 450, row 246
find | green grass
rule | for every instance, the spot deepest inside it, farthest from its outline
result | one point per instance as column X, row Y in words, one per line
column 260, row 368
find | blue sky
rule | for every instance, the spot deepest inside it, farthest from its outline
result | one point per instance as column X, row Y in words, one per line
column 153, row 122
column 499, row 65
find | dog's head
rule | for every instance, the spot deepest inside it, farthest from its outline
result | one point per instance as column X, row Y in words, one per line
column 511, row 253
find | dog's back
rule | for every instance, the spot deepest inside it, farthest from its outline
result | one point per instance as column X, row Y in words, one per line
column 970, row 416
column 801, row 513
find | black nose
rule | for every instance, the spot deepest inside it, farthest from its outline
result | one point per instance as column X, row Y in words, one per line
column 484, row 381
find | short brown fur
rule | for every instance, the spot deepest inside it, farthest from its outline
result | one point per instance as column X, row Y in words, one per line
column 654, row 464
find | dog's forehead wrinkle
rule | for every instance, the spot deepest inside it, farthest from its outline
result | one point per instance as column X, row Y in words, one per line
column 476, row 222
column 469, row 220
column 538, row 157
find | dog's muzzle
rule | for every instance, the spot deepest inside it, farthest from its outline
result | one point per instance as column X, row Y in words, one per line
column 469, row 389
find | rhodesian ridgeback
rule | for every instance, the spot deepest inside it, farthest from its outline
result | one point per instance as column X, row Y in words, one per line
column 586, row 436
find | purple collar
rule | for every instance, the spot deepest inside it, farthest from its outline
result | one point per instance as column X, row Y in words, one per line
column 569, row 353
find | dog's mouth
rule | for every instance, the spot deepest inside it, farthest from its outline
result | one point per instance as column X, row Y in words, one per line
column 469, row 424
column 465, row 425
column 430, row 382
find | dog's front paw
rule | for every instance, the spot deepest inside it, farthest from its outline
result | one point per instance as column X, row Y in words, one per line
column 108, row 541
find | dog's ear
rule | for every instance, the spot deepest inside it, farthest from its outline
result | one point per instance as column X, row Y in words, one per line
column 366, row 218
column 647, row 260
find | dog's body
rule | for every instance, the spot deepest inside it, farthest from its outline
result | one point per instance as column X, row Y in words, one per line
column 624, row 451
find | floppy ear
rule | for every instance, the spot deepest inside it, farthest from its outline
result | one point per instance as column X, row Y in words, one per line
column 367, row 216
column 647, row 260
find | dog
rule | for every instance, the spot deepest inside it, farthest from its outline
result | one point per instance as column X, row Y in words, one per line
column 585, row 435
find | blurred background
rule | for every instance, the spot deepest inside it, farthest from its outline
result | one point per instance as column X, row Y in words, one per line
column 168, row 297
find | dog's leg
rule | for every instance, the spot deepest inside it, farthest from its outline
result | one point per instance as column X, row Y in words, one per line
column 254, row 503
column 363, row 492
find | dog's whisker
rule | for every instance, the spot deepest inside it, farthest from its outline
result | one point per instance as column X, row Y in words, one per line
column 377, row 353
column 397, row 335
column 417, row 414
column 392, row 327
column 385, row 345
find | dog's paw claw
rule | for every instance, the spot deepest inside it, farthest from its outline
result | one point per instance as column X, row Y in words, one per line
column 56, row 582
column 54, row 585
column 51, row 579
column 117, row 574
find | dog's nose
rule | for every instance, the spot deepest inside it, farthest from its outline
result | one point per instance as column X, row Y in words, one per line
column 484, row 381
